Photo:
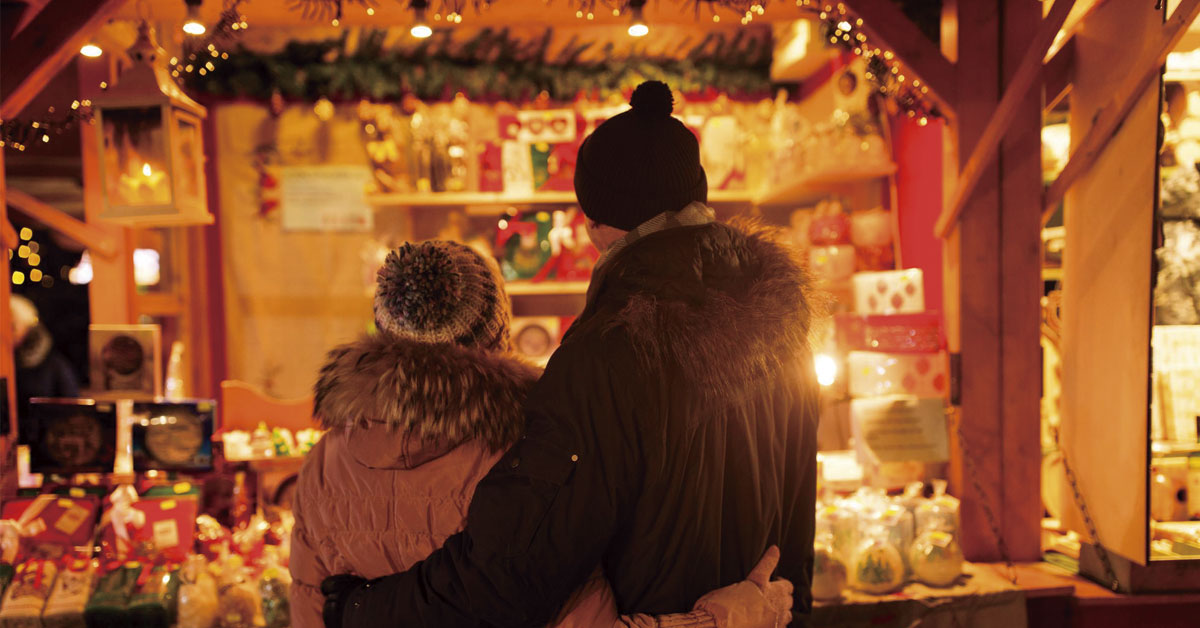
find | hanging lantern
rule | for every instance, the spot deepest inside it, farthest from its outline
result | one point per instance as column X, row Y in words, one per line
column 152, row 151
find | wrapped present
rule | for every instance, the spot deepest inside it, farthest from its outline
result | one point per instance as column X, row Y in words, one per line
column 197, row 606
column 892, row 333
column 832, row 263
column 6, row 576
column 239, row 604
column 162, row 525
column 26, row 596
column 874, row 373
column 47, row 526
column 69, row 598
column 553, row 166
column 889, row 292
column 491, row 172
column 212, row 538
column 155, row 604
column 871, row 228
column 108, row 607
column 273, row 588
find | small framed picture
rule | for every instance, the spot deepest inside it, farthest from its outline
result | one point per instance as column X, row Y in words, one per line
column 71, row 436
column 126, row 361
column 173, row 435
column 536, row 337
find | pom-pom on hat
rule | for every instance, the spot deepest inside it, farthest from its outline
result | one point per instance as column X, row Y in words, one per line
column 442, row 292
column 639, row 163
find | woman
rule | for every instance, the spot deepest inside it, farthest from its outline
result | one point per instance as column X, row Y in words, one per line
column 417, row 415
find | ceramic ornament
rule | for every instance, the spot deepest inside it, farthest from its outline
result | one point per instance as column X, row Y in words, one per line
column 833, row 263
column 829, row 572
column 936, row 558
column 878, row 567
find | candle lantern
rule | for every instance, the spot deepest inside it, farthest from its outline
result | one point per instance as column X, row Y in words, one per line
column 152, row 151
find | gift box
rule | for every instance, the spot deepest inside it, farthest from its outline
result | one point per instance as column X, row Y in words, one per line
column 49, row 526
column 894, row 333
column 26, row 596
column 553, row 166
column 889, row 292
column 69, row 597
column 491, row 170
column 832, row 263
column 873, row 373
column 157, row 527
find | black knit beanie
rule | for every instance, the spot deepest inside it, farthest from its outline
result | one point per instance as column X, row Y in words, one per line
column 640, row 163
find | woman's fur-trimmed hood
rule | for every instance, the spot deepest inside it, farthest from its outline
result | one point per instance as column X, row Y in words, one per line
column 442, row 393
column 725, row 304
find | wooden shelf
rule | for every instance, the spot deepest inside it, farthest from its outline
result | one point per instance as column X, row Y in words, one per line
column 805, row 188
column 529, row 288
column 501, row 200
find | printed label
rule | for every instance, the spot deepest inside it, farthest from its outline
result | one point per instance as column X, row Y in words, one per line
column 71, row 519
column 166, row 534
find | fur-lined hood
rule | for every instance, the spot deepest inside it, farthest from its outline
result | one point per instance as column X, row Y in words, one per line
column 726, row 304
column 34, row 348
column 435, row 395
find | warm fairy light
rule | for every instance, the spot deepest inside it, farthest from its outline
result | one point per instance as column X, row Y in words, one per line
column 844, row 25
column 826, row 368
column 26, row 233
column 370, row 11
column 18, row 277
column 91, row 50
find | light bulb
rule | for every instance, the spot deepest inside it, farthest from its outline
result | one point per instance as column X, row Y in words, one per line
column 91, row 50
column 192, row 25
column 826, row 368
column 638, row 27
column 420, row 28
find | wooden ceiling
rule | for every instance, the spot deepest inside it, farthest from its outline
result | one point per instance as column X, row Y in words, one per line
column 500, row 13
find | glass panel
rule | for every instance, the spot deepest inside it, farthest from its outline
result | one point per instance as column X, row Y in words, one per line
column 135, row 157
column 191, row 160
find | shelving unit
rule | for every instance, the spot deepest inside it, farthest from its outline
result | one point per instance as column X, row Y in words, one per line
column 550, row 287
column 500, row 200
column 804, row 188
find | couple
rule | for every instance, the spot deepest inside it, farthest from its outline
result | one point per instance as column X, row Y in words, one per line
column 670, row 442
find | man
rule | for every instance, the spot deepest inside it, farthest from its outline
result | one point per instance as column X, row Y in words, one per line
column 41, row 370
column 672, row 437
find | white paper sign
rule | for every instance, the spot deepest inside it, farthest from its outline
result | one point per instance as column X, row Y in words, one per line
column 900, row 428
column 325, row 198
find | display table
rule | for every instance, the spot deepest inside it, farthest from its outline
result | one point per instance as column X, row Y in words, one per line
column 982, row 598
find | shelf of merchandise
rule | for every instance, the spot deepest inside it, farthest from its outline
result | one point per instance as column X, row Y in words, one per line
column 550, row 287
column 805, row 188
column 500, row 199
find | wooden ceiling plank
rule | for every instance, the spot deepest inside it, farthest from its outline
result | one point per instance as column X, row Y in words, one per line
column 884, row 21
column 1058, row 75
column 1018, row 88
column 44, row 47
column 91, row 238
column 1109, row 119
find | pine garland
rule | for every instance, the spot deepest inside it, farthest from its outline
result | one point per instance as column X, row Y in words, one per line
column 491, row 66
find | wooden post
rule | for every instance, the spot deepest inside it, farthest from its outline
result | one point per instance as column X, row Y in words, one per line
column 8, row 481
column 992, row 288
column 111, row 292
column 1019, row 294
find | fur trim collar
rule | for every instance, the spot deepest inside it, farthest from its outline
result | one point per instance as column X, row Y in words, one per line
column 34, row 348
column 727, row 305
column 435, row 392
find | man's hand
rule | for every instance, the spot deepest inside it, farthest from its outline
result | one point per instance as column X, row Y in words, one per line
column 337, row 590
column 756, row 602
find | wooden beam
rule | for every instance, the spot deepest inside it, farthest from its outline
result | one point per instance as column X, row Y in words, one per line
column 8, row 235
column 884, row 21
column 1108, row 119
column 91, row 238
column 1058, row 74
column 46, row 46
column 1014, row 95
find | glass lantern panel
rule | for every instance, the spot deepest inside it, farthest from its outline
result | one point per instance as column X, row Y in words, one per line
column 191, row 159
column 136, row 161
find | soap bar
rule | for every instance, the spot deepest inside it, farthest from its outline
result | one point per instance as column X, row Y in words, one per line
column 26, row 596
column 874, row 373
column 69, row 597
column 109, row 604
column 889, row 292
column 156, row 602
